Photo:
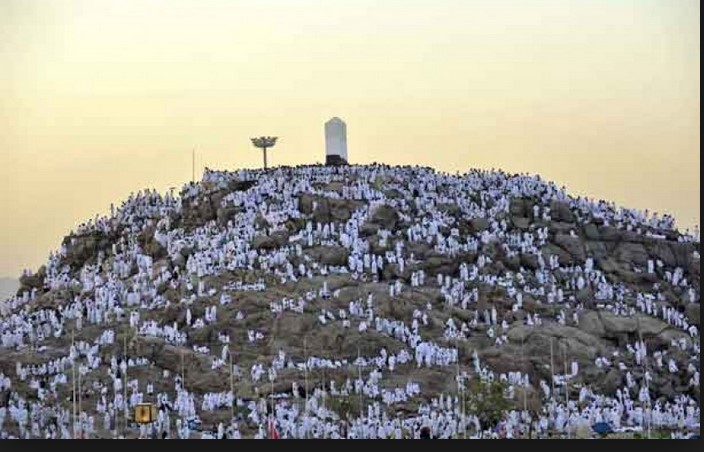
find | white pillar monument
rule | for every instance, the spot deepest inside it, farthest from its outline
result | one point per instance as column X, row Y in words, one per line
column 335, row 142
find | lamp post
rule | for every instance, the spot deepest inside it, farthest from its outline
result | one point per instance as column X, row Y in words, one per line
column 264, row 143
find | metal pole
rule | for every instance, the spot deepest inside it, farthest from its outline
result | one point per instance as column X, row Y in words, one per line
column 80, row 424
column 305, row 369
column 645, row 369
column 567, row 389
column 232, row 391
column 183, row 372
column 193, row 165
column 552, row 370
column 271, row 396
column 264, row 158
column 73, row 385
column 359, row 373
column 114, row 428
column 124, row 386
column 525, row 387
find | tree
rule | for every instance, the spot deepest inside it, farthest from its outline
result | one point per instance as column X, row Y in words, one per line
column 487, row 401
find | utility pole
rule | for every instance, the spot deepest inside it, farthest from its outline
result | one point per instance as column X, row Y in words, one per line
column 193, row 165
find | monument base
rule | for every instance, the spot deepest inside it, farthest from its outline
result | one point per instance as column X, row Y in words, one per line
column 335, row 160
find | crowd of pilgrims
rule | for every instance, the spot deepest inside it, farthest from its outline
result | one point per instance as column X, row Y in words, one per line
column 122, row 286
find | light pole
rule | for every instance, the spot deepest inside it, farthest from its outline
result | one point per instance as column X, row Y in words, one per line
column 264, row 143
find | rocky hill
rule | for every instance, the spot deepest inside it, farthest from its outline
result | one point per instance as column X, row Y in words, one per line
column 393, row 284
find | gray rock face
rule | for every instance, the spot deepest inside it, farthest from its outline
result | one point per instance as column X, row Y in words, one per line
column 521, row 208
column 632, row 253
column 386, row 217
column 305, row 203
column 590, row 323
column 520, row 222
column 334, row 210
column 435, row 265
column 330, row 255
column 560, row 211
column 34, row 281
column 573, row 246
column 479, row 224
column 693, row 313
column 591, row 231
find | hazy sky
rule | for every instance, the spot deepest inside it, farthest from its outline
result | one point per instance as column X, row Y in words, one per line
column 101, row 98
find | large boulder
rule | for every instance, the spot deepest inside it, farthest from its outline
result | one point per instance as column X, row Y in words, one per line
column 33, row 281
column 573, row 246
column 334, row 210
column 225, row 214
column 530, row 261
column 683, row 252
column 632, row 253
column 521, row 207
column 263, row 242
column 478, row 225
column 692, row 310
column 661, row 250
column 615, row 324
column 84, row 248
column 591, row 231
column 610, row 234
column 560, row 211
column 590, row 322
column 305, row 203
column 521, row 223
column 611, row 382
column 199, row 210
column 434, row 265
column 596, row 249
column 386, row 217
column 368, row 229
column 330, row 255
column 537, row 340
column 586, row 297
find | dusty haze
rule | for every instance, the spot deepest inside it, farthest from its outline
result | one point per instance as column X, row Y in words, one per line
column 101, row 98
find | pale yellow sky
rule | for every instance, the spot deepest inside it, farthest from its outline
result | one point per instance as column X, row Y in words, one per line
column 100, row 98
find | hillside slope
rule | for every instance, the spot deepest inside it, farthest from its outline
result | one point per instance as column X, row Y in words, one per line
column 392, row 283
